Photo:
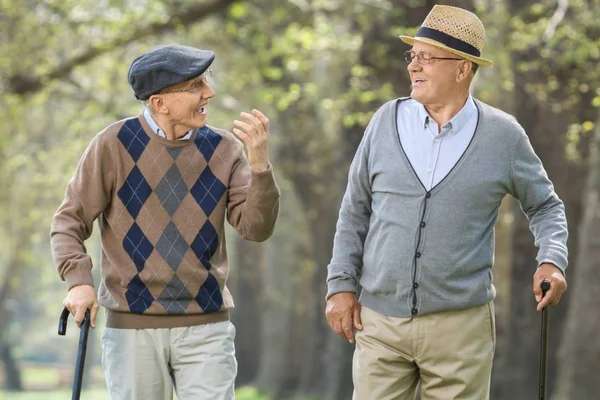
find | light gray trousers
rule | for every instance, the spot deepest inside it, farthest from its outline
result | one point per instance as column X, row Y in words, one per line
column 198, row 362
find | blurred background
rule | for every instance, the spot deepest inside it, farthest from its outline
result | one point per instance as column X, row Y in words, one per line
column 318, row 69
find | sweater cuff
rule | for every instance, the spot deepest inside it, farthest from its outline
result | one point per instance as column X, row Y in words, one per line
column 559, row 260
column 263, row 182
column 79, row 277
column 336, row 286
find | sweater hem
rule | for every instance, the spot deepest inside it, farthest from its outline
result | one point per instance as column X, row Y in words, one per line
column 127, row 320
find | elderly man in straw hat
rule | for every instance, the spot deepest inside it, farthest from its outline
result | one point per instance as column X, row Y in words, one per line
column 415, row 228
column 161, row 185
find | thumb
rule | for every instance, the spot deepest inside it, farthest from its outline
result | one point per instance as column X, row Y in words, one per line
column 537, row 291
column 93, row 313
column 357, row 320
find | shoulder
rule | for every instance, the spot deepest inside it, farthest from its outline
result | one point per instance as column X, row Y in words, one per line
column 123, row 130
column 499, row 120
column 126, row 131
column 399, row 103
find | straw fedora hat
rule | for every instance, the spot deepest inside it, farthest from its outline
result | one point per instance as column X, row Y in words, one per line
column 455, row 30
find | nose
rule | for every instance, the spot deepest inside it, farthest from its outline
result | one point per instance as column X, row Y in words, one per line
column 413, row 65
column 208, row 92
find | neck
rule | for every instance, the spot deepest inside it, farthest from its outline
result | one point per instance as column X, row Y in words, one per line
column 172, row 130
column 445, row 111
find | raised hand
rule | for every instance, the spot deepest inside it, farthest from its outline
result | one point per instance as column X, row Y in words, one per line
column 254, row 133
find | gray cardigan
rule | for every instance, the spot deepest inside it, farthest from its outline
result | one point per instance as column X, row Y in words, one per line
column 415, row 251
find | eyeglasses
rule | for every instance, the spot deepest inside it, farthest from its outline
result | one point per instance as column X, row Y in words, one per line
column 195, row 86
column 424, row 58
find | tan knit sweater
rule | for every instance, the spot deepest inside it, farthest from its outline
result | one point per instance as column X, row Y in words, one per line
column 161, row 207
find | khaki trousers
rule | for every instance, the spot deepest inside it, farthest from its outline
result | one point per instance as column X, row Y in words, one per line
column 449, row 353
column 197, row 361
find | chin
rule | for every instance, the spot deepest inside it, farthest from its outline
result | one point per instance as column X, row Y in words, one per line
column 420, row 98
column 415, row 96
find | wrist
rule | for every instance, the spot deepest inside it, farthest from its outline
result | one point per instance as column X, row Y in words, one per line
column 259, row 167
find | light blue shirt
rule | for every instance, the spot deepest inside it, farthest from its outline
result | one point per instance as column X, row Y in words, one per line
column 433, row 155
column 156, row 129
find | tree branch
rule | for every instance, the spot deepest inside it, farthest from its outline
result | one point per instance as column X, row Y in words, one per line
column 24, row 84
column 556, row 19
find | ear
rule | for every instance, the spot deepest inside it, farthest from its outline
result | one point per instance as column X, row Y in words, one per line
column 463, row 71
column 157, row 102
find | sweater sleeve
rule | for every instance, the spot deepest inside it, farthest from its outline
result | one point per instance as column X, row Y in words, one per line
column 545, row 211
column 87, row 195
column 253, row 199
column 343, row 272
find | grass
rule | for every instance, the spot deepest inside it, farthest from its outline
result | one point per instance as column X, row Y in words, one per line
column 38, row 378
column 96, row 394
column 245, row 393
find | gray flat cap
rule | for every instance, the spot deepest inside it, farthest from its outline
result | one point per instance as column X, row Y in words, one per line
column 165, row 66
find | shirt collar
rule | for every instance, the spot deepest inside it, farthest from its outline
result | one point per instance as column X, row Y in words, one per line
column 468, row 110
column 156, row 129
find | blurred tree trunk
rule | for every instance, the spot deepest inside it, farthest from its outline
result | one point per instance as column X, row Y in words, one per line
column 284, row 290
column 546, row 118
column 12, row 372
column 250, row 260
column 580, row 349
column 319, row 371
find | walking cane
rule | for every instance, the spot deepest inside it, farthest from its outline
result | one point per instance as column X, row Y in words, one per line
column 83, row 336
column 545, row 286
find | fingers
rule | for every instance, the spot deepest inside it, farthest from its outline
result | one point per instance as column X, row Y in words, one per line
column 263, row 119
column 348, row 328
column 537, row 290
column 243, row 125
column 252, row 125
column 79, row 300
column 356, row 317
column 93, row 313
column 338, row 329
column 343, row 315
column 543, row 303
column 256, row 123
column 79, row 314
column 552, row 296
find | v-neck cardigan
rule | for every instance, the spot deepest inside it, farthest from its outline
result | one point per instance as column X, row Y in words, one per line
column 416, row 251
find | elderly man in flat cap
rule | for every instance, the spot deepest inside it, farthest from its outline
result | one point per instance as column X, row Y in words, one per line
column 416, row 226
column 161, row 185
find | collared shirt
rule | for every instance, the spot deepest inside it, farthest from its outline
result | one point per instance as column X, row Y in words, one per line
column 156, row 129
column 433, row 154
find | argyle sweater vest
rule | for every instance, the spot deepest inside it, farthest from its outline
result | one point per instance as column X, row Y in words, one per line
column 161, row 207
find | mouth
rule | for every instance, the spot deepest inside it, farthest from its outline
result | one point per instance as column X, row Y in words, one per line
column 417, row 82
column 202, row 110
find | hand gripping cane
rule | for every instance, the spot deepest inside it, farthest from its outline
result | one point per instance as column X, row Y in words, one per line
column 83, row 336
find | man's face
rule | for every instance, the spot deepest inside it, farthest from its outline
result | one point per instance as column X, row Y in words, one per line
column 187, row 102
column 435, row 82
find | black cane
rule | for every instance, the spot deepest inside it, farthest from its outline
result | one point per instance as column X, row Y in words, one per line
column 83, row 336
column 545, row 286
